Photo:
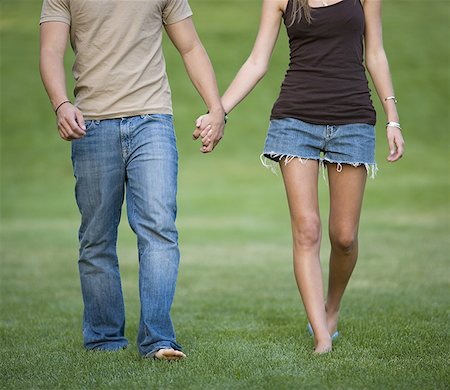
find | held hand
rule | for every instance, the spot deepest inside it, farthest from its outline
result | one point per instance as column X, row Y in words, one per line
column 70, row 122
column 199, row 127
column 202, row 130
column 210, row 128
column 396, row 143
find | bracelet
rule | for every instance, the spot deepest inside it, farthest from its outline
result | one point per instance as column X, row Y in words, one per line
column 393, row 124
column 64, row 102
column 391, row 98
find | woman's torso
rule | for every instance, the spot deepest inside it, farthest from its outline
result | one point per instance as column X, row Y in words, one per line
column 326, row 81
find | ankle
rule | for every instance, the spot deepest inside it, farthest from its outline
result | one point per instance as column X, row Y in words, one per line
column 322, row 338
column 332, row 310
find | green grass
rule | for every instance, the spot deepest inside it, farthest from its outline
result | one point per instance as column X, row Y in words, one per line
column 237, row 311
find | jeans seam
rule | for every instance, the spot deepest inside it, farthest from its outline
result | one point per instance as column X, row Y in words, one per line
column 133, row 222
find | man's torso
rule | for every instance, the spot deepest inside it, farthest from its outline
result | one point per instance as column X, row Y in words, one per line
column 119, row 66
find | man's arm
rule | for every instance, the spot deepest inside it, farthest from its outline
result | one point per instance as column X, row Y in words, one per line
column 201, row 73
column 70, row 120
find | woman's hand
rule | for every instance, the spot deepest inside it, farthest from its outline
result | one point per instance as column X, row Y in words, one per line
column 396, row 143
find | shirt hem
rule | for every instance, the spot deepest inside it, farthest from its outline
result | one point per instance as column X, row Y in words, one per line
column 54, row 19
column 126, row 114
column 178, row 19
column 330, row 121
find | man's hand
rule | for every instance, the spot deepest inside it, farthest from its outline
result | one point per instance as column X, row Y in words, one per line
column 70, row 122
column 54, row 36
column 210, row 129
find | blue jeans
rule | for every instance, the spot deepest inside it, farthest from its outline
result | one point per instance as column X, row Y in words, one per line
column 137, row 156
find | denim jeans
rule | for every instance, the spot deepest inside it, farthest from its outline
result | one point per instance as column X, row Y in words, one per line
column 137, row 156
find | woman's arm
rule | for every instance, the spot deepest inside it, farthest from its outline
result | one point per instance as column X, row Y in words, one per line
column 253, row 69
column 378, row 67
column 257, row 63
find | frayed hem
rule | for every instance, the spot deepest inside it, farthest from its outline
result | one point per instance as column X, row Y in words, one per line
column 371, row 169
column 272, row 164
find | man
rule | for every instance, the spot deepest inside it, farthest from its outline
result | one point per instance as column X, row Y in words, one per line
column 122, row 136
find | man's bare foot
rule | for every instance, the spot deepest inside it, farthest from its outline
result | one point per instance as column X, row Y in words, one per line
column 168, row 354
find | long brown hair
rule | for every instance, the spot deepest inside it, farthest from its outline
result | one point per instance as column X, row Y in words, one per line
column 300, row 8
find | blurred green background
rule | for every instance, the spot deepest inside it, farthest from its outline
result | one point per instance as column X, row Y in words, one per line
column 237, row 311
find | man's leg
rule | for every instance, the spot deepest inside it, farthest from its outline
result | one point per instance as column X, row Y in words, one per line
column 99, row 172
column 152, row 168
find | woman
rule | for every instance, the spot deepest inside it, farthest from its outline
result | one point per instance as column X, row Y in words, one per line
column 324, row 114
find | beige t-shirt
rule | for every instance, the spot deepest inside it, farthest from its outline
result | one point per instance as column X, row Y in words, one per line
column 119, row 66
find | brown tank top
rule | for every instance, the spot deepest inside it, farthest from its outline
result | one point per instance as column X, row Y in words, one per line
column 326, row 81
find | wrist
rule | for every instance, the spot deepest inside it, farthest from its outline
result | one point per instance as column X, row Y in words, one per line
column 220, row 111
column 61, row 104
column 216, row 110
column 393, row 124
column 391, row 98
column 56, row 104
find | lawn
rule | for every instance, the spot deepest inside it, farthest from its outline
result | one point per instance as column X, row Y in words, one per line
column 237, row 311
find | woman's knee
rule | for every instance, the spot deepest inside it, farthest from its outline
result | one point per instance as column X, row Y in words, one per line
column 307, row 233
column 344, row 241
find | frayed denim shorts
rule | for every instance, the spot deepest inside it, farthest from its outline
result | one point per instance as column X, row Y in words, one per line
column 290, row 138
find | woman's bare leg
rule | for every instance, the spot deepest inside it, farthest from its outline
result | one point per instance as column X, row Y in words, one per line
column 346, row 196
column 300, row 179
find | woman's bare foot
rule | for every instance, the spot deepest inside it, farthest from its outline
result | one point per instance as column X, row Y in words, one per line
column 169, row 354
column 323, row 345
column 322, row 350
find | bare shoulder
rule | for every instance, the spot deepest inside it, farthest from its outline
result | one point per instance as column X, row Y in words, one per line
column 371, row 3
column 275, row 5
column 372, row 7
column 283, row 4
